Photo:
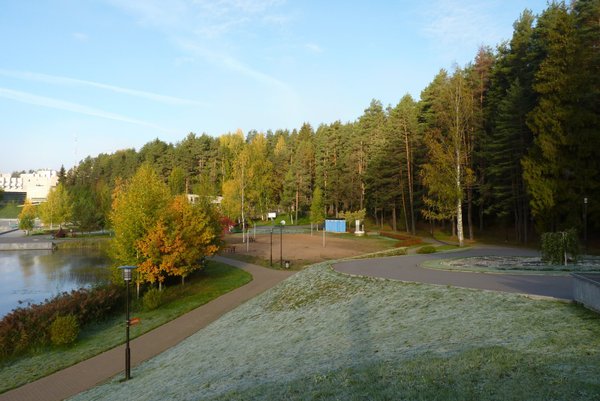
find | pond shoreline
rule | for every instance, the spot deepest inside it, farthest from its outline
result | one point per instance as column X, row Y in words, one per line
column 28, row 246
column 31, row 276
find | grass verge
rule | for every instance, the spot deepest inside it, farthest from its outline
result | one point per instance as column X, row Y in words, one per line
column 9, row 211
column 77, row 243
column 327, row 336
column 216, row 280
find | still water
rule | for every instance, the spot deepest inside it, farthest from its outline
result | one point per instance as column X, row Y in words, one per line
column 33, row 276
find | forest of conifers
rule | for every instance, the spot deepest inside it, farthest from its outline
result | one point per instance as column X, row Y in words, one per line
column 511, row 141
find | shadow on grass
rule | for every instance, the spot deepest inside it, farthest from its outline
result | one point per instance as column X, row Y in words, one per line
column 490, row 373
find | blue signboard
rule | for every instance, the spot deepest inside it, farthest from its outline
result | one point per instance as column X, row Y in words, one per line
column 335, row 226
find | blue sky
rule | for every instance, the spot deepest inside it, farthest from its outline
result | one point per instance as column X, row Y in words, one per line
column 83, row 77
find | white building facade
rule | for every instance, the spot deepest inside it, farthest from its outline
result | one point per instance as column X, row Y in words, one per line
column 36, row 185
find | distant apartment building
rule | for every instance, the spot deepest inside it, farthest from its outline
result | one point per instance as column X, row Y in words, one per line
column 32, row 186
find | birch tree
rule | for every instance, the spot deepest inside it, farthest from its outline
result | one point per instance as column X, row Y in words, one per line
column 448, row 150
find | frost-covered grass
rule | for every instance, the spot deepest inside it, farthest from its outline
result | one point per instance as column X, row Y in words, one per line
column 327, row 336
column 514, row 264
column 216, row 280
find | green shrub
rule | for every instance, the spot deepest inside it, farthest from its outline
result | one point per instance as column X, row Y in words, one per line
column 152, row 299
column 556, row 247
column 64, row 330
column 395, row 252
column 426, row 249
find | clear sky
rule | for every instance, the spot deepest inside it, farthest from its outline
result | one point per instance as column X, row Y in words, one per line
column 83, row 77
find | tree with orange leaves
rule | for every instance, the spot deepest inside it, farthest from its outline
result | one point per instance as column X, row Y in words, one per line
column 161, row 234
column 178, row 242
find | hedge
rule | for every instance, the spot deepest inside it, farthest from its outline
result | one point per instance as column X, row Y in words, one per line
column 28, row 327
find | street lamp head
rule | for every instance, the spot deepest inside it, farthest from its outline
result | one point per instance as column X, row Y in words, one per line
column 127, row 272
column 282, row 222
column 585, row 200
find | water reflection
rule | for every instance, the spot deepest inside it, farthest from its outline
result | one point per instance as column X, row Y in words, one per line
column 33, row 276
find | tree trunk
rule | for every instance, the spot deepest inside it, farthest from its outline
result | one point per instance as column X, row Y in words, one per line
column 410, row 183
column 403, row 202
column 297, row 202
column 394, row 217
column 525, row 220
column 361, row 171
column 459, row 222
column 481, row 207
column 470, row 212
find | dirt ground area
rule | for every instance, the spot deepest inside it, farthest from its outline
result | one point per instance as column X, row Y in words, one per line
column 303, row 249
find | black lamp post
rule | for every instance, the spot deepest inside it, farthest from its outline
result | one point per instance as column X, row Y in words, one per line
column 281, row 243
column 127, row 275
column 271, row 259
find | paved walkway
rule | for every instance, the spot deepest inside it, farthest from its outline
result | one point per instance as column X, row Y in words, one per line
column 407, row 268
column 89, row 373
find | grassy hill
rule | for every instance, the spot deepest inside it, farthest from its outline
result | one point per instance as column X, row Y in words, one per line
column 326, row 336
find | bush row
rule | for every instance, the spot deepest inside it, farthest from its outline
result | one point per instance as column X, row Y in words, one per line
column 403, row 240
column 29, row 327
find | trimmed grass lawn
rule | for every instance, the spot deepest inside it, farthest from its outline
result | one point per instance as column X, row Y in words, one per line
column 326, row 336
column 216, row 280
column 9, row 211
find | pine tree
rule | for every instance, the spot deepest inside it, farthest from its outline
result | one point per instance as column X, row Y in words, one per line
column 403, row 121
column 547, row 168
column 508, row 101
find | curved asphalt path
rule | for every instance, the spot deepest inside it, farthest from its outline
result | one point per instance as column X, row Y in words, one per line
column 408, row 268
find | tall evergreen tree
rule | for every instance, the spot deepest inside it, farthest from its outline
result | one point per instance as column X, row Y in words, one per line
column 370, row 130
column 403, row 122
column 548, row 169
column 300, row 177
column 329, row 159
column 509, row 99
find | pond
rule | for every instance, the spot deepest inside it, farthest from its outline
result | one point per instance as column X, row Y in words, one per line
column 33, row 276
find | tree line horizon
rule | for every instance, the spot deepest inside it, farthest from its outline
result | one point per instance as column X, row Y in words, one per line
column 512, row 139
